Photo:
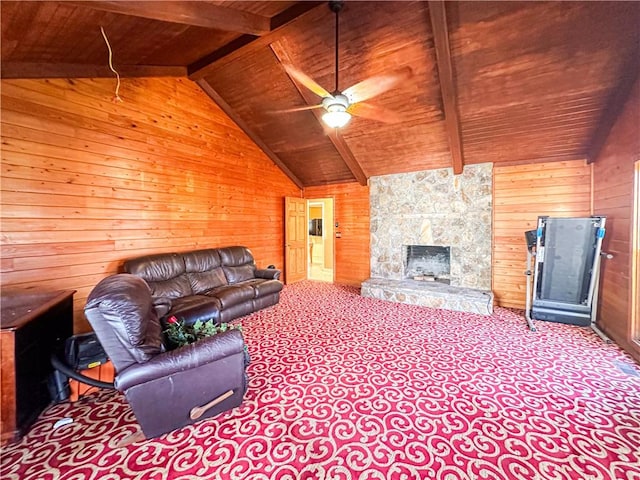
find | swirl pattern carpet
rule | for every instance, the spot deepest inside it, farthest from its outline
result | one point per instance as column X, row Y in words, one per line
column 344, row 387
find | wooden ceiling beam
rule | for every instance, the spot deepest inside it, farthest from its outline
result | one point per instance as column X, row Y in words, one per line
column 311, row 99
column 247, row 43
column 72, row 70
column 200, row 68
column 226, row 108
column 346, row 154
column 198, row 14
column 613, row 106
column 438, row 15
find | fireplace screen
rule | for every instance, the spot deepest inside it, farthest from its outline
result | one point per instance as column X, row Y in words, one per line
column 427, row 262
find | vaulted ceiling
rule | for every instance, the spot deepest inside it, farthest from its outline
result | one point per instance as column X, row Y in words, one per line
column 491, row 81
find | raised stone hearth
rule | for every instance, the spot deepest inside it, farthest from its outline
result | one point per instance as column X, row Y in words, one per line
column 430, row 294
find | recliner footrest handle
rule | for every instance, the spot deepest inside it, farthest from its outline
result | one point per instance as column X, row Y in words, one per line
column 197, row 412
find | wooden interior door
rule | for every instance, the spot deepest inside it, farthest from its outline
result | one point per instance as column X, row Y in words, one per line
column 635, row 266
column 295, row 239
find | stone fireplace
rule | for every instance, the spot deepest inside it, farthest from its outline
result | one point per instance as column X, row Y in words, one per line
column 433, row 209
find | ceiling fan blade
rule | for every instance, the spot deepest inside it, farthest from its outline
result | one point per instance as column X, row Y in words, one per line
column 376, row 85
column 372, row 112
column 307, row 81
column 297, row 109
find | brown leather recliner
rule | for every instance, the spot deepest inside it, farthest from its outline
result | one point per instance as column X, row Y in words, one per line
column 164, row 388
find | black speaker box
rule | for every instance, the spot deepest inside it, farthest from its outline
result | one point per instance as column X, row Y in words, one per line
column 84, row 351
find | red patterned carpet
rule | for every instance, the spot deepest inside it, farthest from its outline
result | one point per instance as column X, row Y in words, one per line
column 344, row 387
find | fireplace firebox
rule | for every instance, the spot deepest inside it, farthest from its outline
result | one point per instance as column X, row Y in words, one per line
column 427, row 263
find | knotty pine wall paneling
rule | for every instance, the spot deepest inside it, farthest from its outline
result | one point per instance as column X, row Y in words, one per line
column 521, row 193
column 613, row 175
column 351, row 203
column 87, row 183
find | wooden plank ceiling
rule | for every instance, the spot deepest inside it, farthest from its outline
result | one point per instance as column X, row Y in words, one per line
column 491, row 81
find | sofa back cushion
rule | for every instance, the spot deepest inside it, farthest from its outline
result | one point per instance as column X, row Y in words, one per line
column 237, row 263
column 165, row 273
column 204, row 270
column 120, row 311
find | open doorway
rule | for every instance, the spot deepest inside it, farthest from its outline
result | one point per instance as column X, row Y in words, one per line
column 321, row 235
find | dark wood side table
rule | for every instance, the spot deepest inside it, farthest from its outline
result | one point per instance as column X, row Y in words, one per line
column 34, row 325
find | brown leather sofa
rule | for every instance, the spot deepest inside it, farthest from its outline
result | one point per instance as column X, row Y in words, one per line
column 166, row 389
column 217, row 283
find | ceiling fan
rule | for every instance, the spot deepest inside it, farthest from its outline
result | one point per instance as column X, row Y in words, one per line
column 339, row 105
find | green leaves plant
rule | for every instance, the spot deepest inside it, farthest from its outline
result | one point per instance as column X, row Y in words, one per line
column 178, row 334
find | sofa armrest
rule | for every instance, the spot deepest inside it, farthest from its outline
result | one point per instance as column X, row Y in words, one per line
column 207, row 350
column 268, row 273
column 162, row 305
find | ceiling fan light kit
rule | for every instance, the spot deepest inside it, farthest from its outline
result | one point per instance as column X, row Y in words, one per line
column 336, row 118
column 336, row 107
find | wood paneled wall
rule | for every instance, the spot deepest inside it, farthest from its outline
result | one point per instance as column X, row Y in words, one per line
column 613, row 173
column 521, row 193
column 351, row 203
column 87, row 183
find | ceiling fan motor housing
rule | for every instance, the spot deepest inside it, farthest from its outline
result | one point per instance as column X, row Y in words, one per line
column 337, row 102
